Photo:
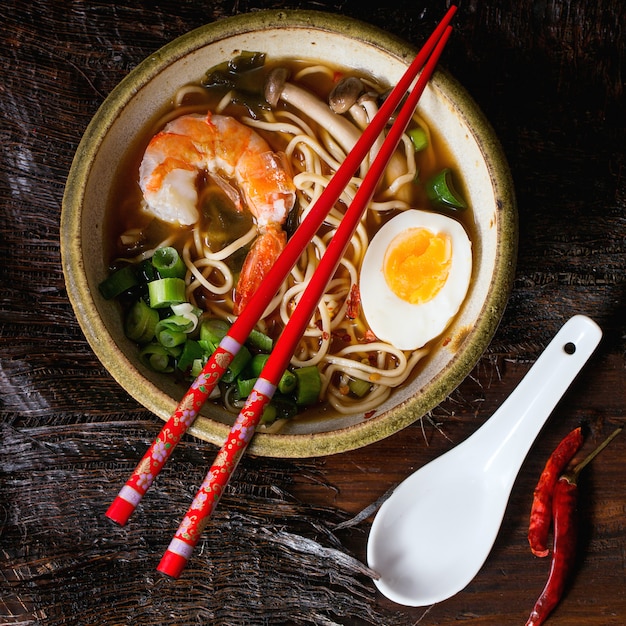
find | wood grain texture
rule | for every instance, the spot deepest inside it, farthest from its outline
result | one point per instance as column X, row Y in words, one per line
column 549, row 76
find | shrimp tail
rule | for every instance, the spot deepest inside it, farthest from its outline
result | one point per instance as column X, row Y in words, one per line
column 262, row 255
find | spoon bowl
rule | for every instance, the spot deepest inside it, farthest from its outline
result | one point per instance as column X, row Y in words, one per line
column 432, row 536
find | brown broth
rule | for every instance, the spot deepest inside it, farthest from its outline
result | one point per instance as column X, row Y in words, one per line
column 124, row 212
column 124, row 205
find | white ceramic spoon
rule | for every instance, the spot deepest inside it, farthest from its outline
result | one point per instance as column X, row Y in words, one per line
column 433, row 534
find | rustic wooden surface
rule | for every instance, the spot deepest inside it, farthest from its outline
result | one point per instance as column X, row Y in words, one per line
column 549, row 77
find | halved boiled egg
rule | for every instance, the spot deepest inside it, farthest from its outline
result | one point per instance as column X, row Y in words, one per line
column 414, row 277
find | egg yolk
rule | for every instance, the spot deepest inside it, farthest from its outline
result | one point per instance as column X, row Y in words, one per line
column 417, row 264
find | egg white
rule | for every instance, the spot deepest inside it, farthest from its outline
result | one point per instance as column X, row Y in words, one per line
column 410, row 326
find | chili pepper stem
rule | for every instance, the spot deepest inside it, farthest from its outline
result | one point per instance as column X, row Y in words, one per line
column 572, row 475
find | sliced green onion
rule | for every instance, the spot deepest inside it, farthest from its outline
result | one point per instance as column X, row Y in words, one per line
column 170, row 338
column 141, row 322
column 172, row 331
column 258, row 363
column 208, row 347
column 419, row 138
column 156, row 357
column 287, row 382
column 244, row 386
column 175, row 322
column 197, row 366
column 309, row 385
column 242, row 358
column 260, row 340
column 119, row 282
column 191, row 351
column 214, row 330
column 189, row 312
column 440, row 190
column 269, row 414
column 359, row 387
column 165, row 292
column 168, row 263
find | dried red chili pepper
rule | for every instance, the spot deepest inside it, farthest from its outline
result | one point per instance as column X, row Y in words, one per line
column 541, row 511
column 564, row 505
column 354, row 302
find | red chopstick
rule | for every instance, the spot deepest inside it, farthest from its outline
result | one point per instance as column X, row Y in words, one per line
column 189, row 407
column 196, row 518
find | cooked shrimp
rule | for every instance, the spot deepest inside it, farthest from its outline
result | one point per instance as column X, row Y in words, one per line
column 220, row 145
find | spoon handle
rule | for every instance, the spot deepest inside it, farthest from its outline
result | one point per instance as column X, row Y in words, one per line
column 512, row 429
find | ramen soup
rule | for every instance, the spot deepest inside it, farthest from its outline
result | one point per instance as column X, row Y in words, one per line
column 213, row 190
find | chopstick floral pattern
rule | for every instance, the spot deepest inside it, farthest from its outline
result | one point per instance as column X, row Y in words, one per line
column 181, row 546
column 171, row 433
column 210, row 492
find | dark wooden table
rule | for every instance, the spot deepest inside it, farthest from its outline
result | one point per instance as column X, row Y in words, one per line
column 549, row 76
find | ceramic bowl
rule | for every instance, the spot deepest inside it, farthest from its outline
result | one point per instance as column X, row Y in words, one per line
column 146, row 90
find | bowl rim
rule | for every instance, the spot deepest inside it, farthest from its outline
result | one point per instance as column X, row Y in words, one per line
column 290, row 445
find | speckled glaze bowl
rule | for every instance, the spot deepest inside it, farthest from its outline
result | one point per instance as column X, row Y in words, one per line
column 320, row 36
